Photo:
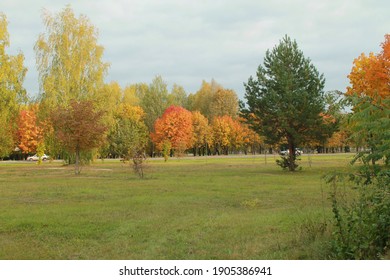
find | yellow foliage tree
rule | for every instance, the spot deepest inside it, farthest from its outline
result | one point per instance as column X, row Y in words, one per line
column 12, row 93
column 69, row 61
column 202, row 139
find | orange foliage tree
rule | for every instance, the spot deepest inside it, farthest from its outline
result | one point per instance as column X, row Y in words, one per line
column 174, row 126
column 230, row 135
column 251, row 140
column 237, row 135
column 370, row 75
column 338, row 141
column 29, row 133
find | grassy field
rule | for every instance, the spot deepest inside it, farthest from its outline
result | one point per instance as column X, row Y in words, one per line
column 204, row 208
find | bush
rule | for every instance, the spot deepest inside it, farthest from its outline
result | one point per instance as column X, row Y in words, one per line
column 362, row 218
column 286, row 163
column 138, row 163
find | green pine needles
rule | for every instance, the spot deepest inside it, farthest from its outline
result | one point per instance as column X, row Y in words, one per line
column 285, row 101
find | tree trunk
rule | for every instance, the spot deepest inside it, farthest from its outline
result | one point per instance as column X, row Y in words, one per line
column 291, row 155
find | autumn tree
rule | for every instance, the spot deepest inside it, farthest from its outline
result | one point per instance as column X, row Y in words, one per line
column 222, row 128
column 229, row 135
column 30, row 132
column 6, row 136
column 69, row 61
column 363, row 219
column 129, row 135
column 369, row 94
column 213, row 100
column 178, row 96
column 175, row 126
column 251, row 139
column 70, row 67
column 200, row 101
column 287, row 97
column 12, row 93
column 79, row 128
column 109, row 97
column 370, row 75
column 202, row 139
column 337, row 141
column 224, row 103
column 237, row 135
column 154, row 101
column 133, row 94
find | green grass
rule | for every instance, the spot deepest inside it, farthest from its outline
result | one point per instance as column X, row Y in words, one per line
column 204, row 208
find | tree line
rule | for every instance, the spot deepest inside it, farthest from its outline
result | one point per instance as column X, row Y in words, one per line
column 77, row 116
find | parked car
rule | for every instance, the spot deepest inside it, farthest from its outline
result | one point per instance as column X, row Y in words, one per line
column 298, row 152
column 36, row 157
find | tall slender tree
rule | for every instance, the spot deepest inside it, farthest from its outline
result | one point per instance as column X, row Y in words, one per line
column 287, row 98
column 70, row 66
column 69, row 60
column 154, row 101
column 12, row 93
column 202, row 139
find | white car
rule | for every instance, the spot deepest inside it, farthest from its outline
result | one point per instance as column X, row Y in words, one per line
column 36, row 157
column 298, row 152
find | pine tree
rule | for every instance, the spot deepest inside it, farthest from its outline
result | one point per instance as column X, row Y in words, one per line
column 287, row 99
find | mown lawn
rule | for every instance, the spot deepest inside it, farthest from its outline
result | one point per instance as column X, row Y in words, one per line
column 204, row 208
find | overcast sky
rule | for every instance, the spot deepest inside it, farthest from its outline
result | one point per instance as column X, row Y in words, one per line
column 189, row 41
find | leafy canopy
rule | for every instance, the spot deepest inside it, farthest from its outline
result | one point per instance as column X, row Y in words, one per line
column 370, row 75
column 79, row 127
column 69, row 60
column 175, row 126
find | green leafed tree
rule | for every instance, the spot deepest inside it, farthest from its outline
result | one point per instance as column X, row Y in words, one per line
column 154, row 101
column 178, row 96
column 287, row 99
column 129, row 134
column 12, row 93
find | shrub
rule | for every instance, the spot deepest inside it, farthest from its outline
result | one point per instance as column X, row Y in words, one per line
column 361, row 217
column 286, row 163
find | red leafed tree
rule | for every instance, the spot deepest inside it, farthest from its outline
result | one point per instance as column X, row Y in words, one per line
column 175, row 126
column 29, row 133
column 79, row 128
